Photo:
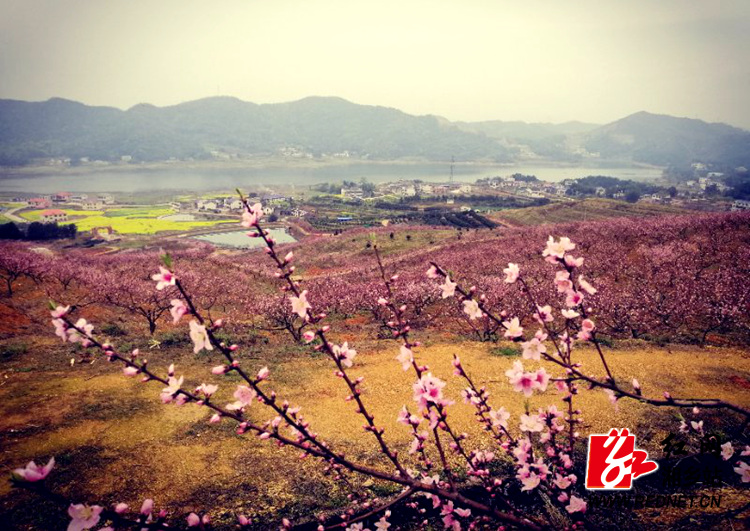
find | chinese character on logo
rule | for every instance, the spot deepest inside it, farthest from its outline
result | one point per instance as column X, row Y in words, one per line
column 613, row 462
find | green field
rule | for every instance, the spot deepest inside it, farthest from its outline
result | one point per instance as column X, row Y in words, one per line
column 137, row 220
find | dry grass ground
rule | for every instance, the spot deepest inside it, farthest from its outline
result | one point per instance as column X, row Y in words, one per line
column 114, row 440
column 580, row 210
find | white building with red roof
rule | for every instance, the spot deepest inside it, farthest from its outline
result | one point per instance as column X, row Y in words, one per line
column 53, row 215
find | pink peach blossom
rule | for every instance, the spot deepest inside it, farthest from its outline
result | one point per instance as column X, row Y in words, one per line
column 178, row 310
column 83, row 516
column 511, row 273
column 33, row 472
column 199, row 336
column 164, row 278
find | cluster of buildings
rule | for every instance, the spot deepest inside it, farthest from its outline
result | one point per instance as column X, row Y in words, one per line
column 67, row 198
column 277, row 204
column 522, row 185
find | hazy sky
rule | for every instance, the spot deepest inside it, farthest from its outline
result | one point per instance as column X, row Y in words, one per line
column 532, row 60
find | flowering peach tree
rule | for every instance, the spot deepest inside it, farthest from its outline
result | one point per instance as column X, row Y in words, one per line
column 534, row 453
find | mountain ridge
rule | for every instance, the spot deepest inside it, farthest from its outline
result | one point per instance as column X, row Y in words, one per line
column 329, row 125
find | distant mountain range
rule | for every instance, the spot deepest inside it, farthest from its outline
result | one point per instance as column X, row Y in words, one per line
column 224, row 127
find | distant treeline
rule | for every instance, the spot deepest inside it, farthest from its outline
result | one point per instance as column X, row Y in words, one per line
column 487, row 200
column 633, row 190
column 462, row 220
column 38, row 231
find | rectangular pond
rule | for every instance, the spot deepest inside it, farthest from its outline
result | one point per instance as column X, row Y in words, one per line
column 239, row 238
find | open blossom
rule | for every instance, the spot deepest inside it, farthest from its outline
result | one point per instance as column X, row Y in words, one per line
column 500, row 417
column 164, row 278
column 206, row 389
column 199, row 336
column 300, row 304
column 428, row 390
column 585, row 286
column 544, row 314
column 60, row 311
column 193, row 520
column 542, row 379
column 404, row 417
column 130, row 371
column 251, row 218
column 573, row 298
column 405, row 357
column 83, row 516
column 533, row 349
column 61, row 329
column 558, row 249
column 573, row 262
column 244, row 395
column 562, row 482
column 308, row 336
column 562, row 281
column 382, row 524
column 743, row 469
column 177, row 310
column 511, row 273
column 432, row 272
column 587, row 326
column 576, row 505
column 344, row 353
column 569, row 314
column 471, row 308
column 530, row 481
column 727, row 451
column 33, row 472
column 531, row 423
column 74, row 336
column 448, row 287
column 173, row 386
column 521, row 381
column 513, row 328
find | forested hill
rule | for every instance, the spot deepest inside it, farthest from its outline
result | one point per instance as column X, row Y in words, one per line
column 315, row 126
column 663, row 140
column 227, row 127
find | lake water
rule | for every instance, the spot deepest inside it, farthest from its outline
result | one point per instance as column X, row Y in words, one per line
column 241, row 240
column 228, row 178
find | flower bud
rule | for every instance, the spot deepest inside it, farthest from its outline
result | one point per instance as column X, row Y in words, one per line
column 147, row 507
column 121, row 508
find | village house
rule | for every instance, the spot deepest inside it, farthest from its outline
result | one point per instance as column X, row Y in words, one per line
column 39, row 202
column 203, row 204
column 53, row 215
column 92, row 204
column 274, row 198
column 354, row 192
column 740, row 204
column 62, row 197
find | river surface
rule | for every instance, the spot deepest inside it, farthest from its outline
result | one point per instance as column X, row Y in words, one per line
column 128, row 180
column 240, row 239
